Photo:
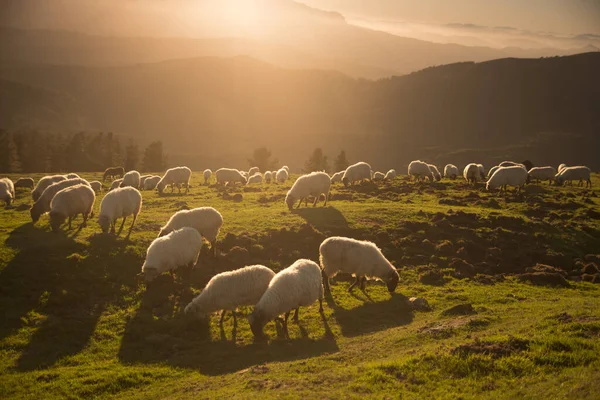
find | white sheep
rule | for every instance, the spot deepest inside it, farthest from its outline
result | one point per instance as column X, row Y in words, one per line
column 142, row 180
column 313, row 184
column 207, row 174
column 450, row 171
column 229, row 176
column 256, row 178
column 96, row 186
column 570, row 174
column 167, row 253
column 296, row 286
column 510, row 164
column 435, row 171
column 281, row 176
column 378, row 176
column 253, row 170
column 244, row 174
column 44, row 183
column 357, row 173
column 24, row 183
column 360, row 258
column 472, row 173
column 542, row 173
column 119, row 203
column 391, row 174
column 232, row 289
column 115, row 184
column 561, row 167
column 513, row 176
column 72, row 175
column 286, row 168
column 7, row 191
column 131, row 178
column 419, row 170
column 337, row 177
column 42, row 205
column 491, row 171
column 151, row 182
column 175, row 176
column 69, row 202
column 481, row 171
column 206, row 220
column 268, row 176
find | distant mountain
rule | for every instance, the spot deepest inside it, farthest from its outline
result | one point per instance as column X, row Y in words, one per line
column 216, row 110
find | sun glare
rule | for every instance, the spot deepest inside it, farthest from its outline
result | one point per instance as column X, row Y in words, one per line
column 242, row 16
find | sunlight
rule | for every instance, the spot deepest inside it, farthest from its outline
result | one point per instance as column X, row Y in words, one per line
column 241, row 16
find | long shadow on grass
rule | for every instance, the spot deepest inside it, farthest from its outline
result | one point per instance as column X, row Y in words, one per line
column 60, row 287
column 323, row 218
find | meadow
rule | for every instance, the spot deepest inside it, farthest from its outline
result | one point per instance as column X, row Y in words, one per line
column 510, row 280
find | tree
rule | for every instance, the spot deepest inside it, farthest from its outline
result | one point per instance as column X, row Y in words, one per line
column 316, row 162
column 132, row 156
column 154, row 159
column 9, row 162
column 262, row 159
column 341, row 162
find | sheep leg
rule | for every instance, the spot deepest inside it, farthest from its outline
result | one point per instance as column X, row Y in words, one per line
column 222, row 317
column 326, row 282
column 296, row 314
column 187, row 188
column 316, row 200
column 299, row 203
column 234, row 318
column 70, row 219
column 213, row 247
column 112, row 227
column 121, row 228
column 363, row 282
column 326, row 196
column 320, row 305
column 85, row 217
column 132, row 224
column 285, row 324
column 354, row 284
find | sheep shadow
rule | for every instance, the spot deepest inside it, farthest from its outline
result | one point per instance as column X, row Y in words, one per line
column 323, row 218
column 60, row 287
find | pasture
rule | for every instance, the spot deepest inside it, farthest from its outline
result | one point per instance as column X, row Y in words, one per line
column 76, row 322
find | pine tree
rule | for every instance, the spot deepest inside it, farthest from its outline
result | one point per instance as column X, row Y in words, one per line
column 262, row 159
column 9, row 162
column 132, row 156
column 154, row 159
column 316, row 162
column 57, row 150
column 341, row 162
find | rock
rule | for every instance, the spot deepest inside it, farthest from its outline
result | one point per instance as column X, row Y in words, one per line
column 544, row 279
column 575, row 278
column 461, row 309
column 444, row 247
column 237, row 197
column 419, row 304
column 462, row 268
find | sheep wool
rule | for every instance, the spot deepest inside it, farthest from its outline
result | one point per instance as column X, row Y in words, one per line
column 361, row 258
column 119, row 203
column 207, row 174
column 337, row 177
column 504, row 176
column 391, row 174
column 142, row 180
column 69, row 202
column 131, row 178
column 492, row 170
column 472, row 173
column 357, row 173
column 206, row 220
column 44, row 183
column 286, row 168
column 96, row 186
column 24, row 183
column 378, row 176
column 7, row 191
column 281, row 176
column 542, row 173
column 435, row 171
column 579, row 173
column 72, row 175
column 151, row 182
column 268, row 176
column 313, row 184
column 253, row 170
column 178, row 248
column 42, row 205
column 229, row 175
column 228, row 290
column 450, row 171
column 112, row 173
column 296, row 286
column 419, row 171
column 561, row 167
column 175, row 176
column 481, row 171
column 256, row 178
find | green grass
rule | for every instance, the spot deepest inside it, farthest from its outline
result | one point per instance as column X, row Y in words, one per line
column 75, row 322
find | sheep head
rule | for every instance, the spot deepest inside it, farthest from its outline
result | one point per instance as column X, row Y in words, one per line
column 56, row 220
column 257, row 322
column 104, row 222
column 150, row 273
column 290, row 200
column 392, row 281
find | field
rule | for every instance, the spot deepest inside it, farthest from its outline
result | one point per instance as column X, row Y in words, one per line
column 76, row 322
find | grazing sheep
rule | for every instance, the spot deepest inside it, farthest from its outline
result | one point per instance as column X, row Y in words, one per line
column 286, row 168
column 481, row 171
column 491, row 171
column 281, row 176
column 313, row 184
column 42, row 205
column 244, row 174
column 378, row 176
column 116, row 184
column 450, row 171
column 542, row 174
column 357, row 173
column 337, row 177
column 513, row 176
column 142, row 180
column 297, row 285
column 24, row 183
column 391, row 174
column 256, row 178
column 206, row 220
column 435, row 172
column 119, row 203
column 207, row 174
column 112, row 173
column 44, row 183
column 268, row 176
column 253, row 170
column 510, row 164
column 131, row 178
column 561, row 167
column 96, row 186
column 69, row 202
column 357, row 257
column 178, row 248
column 175, row 176
column 151, row 182
column 232, row 289
column 472, row 173
column 72, row 175
column 570, row 174
column 419, row 170
column 229, row 176
column 7, row 191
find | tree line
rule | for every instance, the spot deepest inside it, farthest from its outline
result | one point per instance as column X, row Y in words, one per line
column 33, row 151
column 318, row 161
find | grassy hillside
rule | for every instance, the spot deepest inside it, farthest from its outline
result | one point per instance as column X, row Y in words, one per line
column 75, row 322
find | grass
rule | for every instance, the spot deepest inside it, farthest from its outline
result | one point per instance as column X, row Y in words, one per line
column 75, row 322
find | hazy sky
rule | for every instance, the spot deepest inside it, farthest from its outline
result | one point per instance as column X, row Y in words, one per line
column 561, row 16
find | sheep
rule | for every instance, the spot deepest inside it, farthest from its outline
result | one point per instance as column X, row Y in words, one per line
column 281, row 176
column 113, row 172
column 491, row 171
column 286, row 168
column 360, row 258
column 253, row 170
column 481, row 171
column 119, row 203
column 151, row 182
column 142, row 180
column 450, row 171
column 175, row 176
column 378, row 176
column 229, row 175
column 72, row 175
column 391, row 174
column 571, row 174
column 337, row 177
column 297, row 285
column 96, row 186
column 313, row 184
column 419, row 170
column 561, row 167
column 167, row 253
column 229, row 290
column 42, row 205
column 116, row 184
column 510, row 164
column 472, row 173
column 69, row 202
column 256, row 178
column 7, row 191
column 207, row 174
column 24, row 183
column 131, row 178
column 244, row 174
column 542, row 173
column 356, row 173
column 268, row 176
column 435, row 171
column 206, row 220
column 513, row 176
column 44, row 183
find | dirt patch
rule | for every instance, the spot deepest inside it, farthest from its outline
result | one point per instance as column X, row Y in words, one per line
column 488, row 279
column 544, row 279
column 460, row 309
column 462, row 269
column 545, row 268
column 494, row 349
column 270, row 199
column 446, row 328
